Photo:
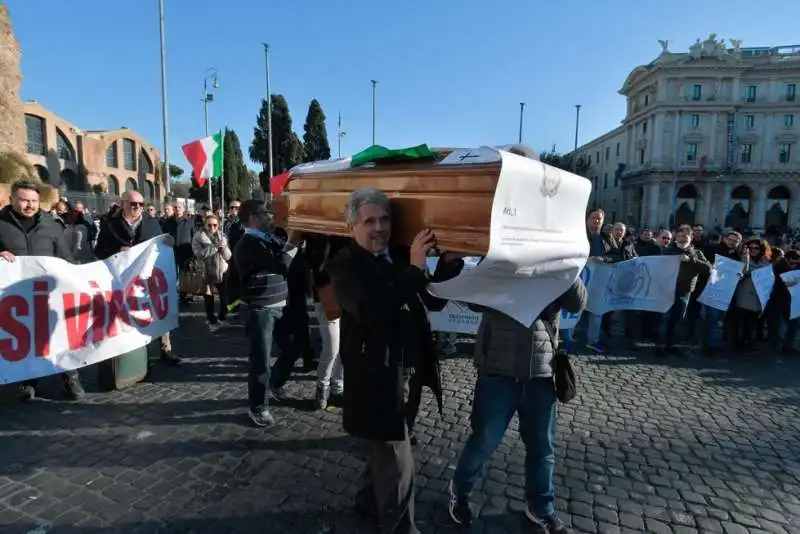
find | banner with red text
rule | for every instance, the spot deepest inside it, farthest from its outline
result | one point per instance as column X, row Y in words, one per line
column 56, row 316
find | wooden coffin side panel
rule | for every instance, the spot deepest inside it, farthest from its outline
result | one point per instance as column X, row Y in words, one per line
column 454, row 201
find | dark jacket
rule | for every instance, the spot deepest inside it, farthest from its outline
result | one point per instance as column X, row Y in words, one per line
column 622, row 252
column 184, row 229
column 45, row 238
column 647, row 248
column 689, row 271
column 384, row 331
column 319, row 249
column 508, row 348
column 608, row 249
column 234, row 230
column 116, row 234
column 257, row 274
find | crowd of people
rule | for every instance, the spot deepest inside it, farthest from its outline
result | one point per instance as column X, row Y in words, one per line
column 372, row 306
column 744, row 328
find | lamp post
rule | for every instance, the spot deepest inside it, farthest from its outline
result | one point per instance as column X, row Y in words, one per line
column 577, row 126
column 167, row 178
column 269, row 112
column 374, row 84
column 208, row 97
column 339, row 135
column 521, row 112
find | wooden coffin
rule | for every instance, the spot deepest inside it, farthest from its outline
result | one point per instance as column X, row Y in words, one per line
column 455, row 201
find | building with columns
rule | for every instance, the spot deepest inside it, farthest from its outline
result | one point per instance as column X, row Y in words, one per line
column 710, row 136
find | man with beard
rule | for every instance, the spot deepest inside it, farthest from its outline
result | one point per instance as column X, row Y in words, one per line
column 385, row 342
column 693, row 265
column 27, row 231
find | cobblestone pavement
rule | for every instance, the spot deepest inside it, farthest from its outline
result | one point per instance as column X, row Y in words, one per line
column 660, row 446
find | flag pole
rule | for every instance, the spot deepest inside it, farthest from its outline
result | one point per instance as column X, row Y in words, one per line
column 167, row 178
column 269, row 112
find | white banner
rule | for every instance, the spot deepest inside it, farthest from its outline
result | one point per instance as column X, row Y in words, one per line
column 722, row 283
column 763, row 278
column 791, row 280
column 645, row 284
column 537, row 241
column 57, row 316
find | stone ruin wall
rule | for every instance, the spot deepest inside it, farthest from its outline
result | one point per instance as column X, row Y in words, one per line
column 12, row 118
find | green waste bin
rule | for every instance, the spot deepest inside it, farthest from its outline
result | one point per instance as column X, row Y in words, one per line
column 126, row 369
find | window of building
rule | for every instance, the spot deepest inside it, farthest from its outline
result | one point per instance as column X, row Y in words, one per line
column 145, row 163
column 616, row 179
column 605, row 181
column 597, row 157
column 129, row 154
column 784, row 153
column 646, row 99
column 697, row 92
column 749, row 121
column 644, row 127
column 36, row 138
column 747, row 153
column 112, row 158
column 641, row 157
column 751, row 93
column 695, row 121
column 691, row 152
column 791, row 92
column 788, row 120
column 617, row 149
column 64, row 147
column 608, row 153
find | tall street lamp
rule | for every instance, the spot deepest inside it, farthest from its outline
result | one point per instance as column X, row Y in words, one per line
column 269, row 112
column 340, row 134
column 166, row 177
column 575, row 149
column 208, row 97
column 374, row 84
column 521, row 113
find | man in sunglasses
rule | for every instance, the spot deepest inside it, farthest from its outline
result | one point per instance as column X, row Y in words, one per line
column 126, row 228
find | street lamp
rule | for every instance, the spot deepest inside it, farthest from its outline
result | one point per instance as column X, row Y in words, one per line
column 521, row 113
column 208, row 97
column 374, row 84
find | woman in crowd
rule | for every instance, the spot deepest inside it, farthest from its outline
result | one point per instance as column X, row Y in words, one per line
column 746, row 308
column 210, row 247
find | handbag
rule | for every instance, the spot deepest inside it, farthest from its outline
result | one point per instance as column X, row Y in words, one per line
column 192, row 279
column 566, row 382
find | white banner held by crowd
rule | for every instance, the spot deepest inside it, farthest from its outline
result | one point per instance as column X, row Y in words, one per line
column 792, row 281
column 537, row 241
column 645, row 284
column 763, row 281
column 57, row 316
column 722, row 283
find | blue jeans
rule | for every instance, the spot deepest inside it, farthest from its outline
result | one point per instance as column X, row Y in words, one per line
column 496, row 400
column 593, row 323
column 674, row 316
column 712, row 324
column 259, row 323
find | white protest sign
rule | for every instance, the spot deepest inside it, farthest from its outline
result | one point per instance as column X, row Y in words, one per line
column 763, row 279
column 645, row 284
column 792, row 281
column 722, row 283
column 456, row 316
column 571, row 320
column 537, row 241
column 58, row 317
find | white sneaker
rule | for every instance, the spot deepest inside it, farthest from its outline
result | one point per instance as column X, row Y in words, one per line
column 213, row 327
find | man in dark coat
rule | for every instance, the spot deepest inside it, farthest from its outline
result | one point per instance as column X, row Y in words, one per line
column 385, row 338
column 25, row 230
column 126, row 228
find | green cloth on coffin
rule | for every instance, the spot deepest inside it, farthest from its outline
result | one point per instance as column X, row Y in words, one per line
column 377, row 153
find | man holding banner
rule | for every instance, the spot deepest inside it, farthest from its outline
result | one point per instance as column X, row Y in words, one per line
column 25, row 230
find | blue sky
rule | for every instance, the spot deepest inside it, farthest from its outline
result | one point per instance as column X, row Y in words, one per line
column 451, row 73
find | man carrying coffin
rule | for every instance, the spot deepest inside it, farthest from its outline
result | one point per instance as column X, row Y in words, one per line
column 385, row 340
column 25, row 230
column 126, row 228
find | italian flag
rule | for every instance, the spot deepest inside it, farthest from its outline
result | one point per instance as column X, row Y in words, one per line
column 205, row 157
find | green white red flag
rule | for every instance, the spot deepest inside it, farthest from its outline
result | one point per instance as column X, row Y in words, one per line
column 205, row 157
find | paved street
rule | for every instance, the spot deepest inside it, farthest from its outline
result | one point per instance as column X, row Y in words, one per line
column 676, row 446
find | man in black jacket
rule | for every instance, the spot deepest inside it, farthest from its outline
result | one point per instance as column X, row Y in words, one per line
column 385, row 337
column 126, row 228
column 25, row 230
column 258, row 277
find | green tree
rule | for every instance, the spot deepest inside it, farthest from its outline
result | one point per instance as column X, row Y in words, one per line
column 200, row 194
column 287, row 150
column 564, row 161
column 180, row 189
column 235, row 172
column 315, row 138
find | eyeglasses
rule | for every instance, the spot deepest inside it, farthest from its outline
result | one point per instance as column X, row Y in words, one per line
column 213, row 226
column 136, row 204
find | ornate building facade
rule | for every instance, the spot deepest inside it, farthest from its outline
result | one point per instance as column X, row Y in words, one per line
column 710, row 136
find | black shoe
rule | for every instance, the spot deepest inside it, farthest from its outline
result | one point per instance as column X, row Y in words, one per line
column 460, row 511
column 366, row 509
column 261, row 417
column 278, row 395
column 170, row 359
column 74, row 389
column 552, row 525
column 27, row 393
column 413, row 440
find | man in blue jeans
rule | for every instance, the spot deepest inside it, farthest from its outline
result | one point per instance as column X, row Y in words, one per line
column 258, row 278
column 515, row 375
